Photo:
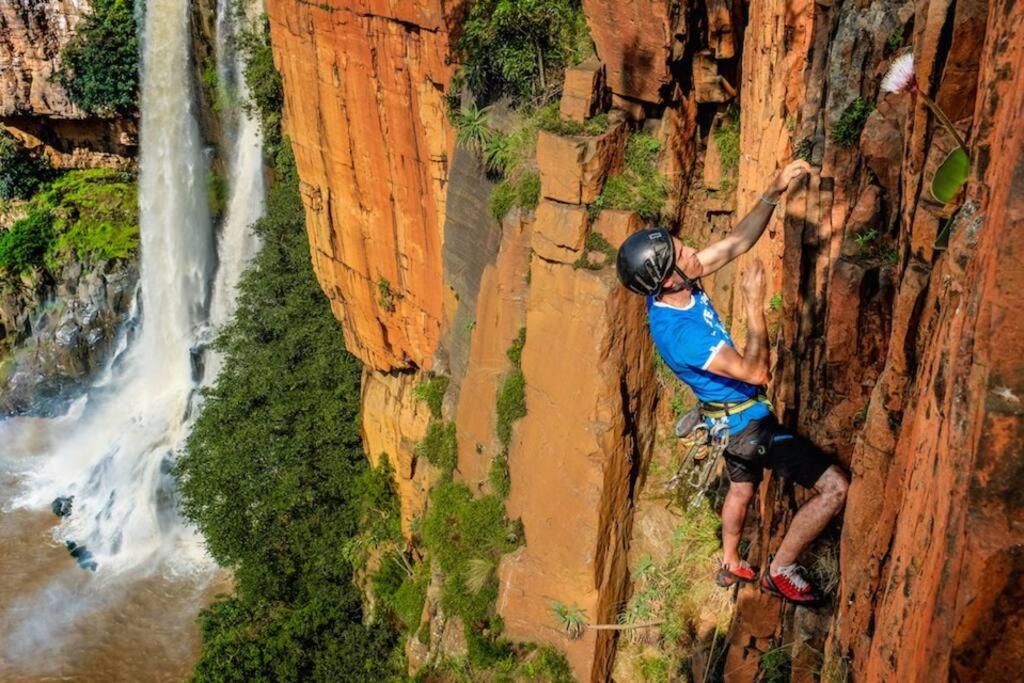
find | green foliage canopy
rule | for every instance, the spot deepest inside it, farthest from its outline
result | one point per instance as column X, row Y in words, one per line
column 274, row 476
column 21, row 173
column 89, row 215
column 513, row 47
column 99, row 66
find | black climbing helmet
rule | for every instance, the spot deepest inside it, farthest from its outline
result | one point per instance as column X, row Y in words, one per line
column 645, row 259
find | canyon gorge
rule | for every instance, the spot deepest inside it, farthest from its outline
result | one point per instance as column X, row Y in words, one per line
column 502, row 361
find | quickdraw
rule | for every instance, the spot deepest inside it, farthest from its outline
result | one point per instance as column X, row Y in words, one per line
column 703, row 441
column 704, row 434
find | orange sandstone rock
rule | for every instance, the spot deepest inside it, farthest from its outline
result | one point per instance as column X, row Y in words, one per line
column 393, row 422
column 634, row 40
column 363, row 85
column 559, row 231
column 500, row 314
column 615, row 225
column 583, row 91
column 573, row 168
column 589, row 390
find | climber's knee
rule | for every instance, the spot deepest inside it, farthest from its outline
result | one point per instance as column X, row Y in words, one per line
column 741, row 491
column 832, row 486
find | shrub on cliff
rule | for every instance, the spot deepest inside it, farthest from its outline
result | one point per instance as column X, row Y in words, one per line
column 458, row 531
column 23, row 246
column 518, row 47
column 640, row 186
column 99, row 67
column 89, row 215
column 275, row 477
column 21, row 172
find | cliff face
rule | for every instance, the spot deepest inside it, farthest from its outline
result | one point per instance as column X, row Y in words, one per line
column 893, row 354
column 36, row 109
column 363, row 107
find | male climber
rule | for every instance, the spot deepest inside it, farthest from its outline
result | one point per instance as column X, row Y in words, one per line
column 689, row 334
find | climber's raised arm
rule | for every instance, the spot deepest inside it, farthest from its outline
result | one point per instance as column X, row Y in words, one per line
column 751, row 227
column 752, row 366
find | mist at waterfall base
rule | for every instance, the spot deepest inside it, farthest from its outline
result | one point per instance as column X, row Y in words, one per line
column 124, row 608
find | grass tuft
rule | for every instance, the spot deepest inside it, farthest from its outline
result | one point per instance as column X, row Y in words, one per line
column 846, row 132
column 595, row 243
column 639, row 187
column 431, row 391
column 440, row 446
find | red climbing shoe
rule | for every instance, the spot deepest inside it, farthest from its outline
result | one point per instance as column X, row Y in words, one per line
column 727, row 576
column 790, row 584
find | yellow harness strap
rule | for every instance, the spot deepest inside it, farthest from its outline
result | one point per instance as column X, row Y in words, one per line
column 717, row 411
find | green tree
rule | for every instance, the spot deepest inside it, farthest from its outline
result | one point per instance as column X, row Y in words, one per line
column 514, row 47
column 21, row 173
column 100, row 64
column 24, row 245
column 274, row 476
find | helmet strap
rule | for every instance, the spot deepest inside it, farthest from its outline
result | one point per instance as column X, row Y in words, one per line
column 687, row 283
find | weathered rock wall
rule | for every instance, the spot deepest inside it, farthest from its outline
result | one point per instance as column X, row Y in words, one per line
column 893, row 355
column 883, row 356
column 35, row 108
column 363, row 85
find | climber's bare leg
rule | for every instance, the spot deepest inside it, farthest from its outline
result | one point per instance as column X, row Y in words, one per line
column 813, row 516
column 734, row 512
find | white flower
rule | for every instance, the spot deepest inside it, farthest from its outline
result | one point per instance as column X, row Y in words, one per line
column 900, row 76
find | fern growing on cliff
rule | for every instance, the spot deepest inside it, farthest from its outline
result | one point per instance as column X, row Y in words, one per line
column 99, row 67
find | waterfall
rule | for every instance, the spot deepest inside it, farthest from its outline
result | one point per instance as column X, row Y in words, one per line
column 114, row 450
column 245, row 177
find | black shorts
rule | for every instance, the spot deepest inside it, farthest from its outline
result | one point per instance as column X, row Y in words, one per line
column 766, row 443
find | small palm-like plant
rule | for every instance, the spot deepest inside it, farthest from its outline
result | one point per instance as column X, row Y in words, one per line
column 497, row 154
column 472, row 129
column 571, row 618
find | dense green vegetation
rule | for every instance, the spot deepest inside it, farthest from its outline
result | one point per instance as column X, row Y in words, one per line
column 639, row 187
column 99, row 66
column 21, row 172
column 518, row 47
column 24, row 245
column 510, row 406
column 727, row 141
column 266, row 92
column 89, row 215
column 275, row 477
column 522, row 191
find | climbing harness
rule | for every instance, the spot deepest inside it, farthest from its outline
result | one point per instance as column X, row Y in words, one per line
column 704, row 435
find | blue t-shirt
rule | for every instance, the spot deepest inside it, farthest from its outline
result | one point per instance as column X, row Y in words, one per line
column 688, row 338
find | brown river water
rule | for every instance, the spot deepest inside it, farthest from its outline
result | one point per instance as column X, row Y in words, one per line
column 59, row 622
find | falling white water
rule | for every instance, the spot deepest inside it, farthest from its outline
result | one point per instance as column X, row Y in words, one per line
column 237, row 244
column 115, row 458
column 113, row 452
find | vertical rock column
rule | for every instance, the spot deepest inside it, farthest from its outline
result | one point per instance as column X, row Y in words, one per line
column 363, row 84
column 933, row 577
column 574, row 458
